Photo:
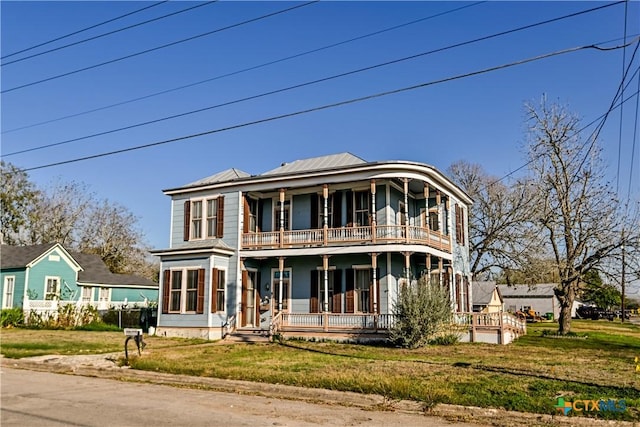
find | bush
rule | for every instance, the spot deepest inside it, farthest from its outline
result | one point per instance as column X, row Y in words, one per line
column 11, row 317
column 422, row 313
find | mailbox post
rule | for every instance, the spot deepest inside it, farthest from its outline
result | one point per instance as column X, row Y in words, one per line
column 136, row 334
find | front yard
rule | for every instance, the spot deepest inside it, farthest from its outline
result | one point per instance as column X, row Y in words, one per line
column 528, row 375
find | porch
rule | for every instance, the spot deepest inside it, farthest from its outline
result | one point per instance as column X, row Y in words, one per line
column 372, row 234
column 494, row 328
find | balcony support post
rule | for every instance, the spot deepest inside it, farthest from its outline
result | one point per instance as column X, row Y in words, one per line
column 325, row 269
column 281, row 269
column 282, row 217
column 406, row 209
column 325, row 215
column 374, row 218
column 374, row 265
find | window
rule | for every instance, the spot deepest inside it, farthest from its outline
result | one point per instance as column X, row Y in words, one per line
column 361, row 208
column 52, row 288
column 334, row 289
column 176, row 290
column 203, row 218
column 286, row 276
column 402, row 214
column 192, row 290
column 282, row 213
column 183, row 291
column 362, row 287
column 104, row 295
column 87, row 294
column 459, row 224
column 219, row 286
column 7, row 297
column 434, row 219
column 196, row 220
column 212, row 210
column 252, row 213
column 321, row 210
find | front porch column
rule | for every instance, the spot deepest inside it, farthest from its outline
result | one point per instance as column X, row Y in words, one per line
column 440, row 271
column 406, row 209
column 281, row 269
column 282, row 191
column 374, row 219
column 426, row 209
column 325, row 213
column 407, row 267
column 374, row 264
column 428, row 262
column 325, row 268
column 439, row 206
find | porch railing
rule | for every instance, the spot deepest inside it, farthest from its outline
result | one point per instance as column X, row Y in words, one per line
column 334, row 321
column 347, row 235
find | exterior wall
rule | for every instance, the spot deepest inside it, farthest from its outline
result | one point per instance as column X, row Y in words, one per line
column 132, row 295
column 390, row 264
column 542, row 305
column 18, row 285
column 206, row 319
column 49, row 268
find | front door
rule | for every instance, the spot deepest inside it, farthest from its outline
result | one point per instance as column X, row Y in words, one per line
column 249, row 298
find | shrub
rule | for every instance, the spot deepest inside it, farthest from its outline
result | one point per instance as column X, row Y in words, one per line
column 11, row 317
column 422, row 313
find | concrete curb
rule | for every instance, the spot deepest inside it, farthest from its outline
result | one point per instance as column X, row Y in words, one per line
column 104, row 366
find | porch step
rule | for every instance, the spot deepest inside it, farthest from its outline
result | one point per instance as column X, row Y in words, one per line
column 248, row 335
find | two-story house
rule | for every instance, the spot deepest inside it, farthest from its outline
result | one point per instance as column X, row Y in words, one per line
column 316, row 245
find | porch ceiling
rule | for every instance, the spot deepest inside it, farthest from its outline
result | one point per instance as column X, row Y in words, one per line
column 343, row 250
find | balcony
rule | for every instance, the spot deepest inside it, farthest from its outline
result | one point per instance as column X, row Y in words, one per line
column 379, row 234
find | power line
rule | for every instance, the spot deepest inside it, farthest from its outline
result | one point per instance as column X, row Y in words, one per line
column 320, row 108
column 159, row 47
column 109, row 33
column 84, row 29
column 255, row 67
column 624, row 64
column 54, row 144
column 633, row 144
column 600, row 118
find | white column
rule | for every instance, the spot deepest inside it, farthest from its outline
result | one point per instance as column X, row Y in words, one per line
column 281, row 269
column 325, row 268
column 374, row 264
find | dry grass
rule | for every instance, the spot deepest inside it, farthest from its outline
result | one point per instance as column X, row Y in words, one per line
column 528, row 375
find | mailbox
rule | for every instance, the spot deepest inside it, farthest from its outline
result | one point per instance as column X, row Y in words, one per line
column 136, row 334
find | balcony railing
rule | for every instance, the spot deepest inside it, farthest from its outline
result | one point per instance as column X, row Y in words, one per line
column 379, row 234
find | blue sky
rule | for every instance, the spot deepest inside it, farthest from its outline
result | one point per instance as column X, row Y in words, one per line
column 479, row 119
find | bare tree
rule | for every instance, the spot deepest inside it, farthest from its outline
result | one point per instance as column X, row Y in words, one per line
column 17, row 196
column 498, row 218
column 578, row 214
column 55, row 216
column 110, row 230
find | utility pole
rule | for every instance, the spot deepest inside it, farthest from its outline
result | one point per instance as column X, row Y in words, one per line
column 622, row 278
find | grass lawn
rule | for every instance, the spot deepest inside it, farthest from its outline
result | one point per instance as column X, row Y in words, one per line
column 528, row 375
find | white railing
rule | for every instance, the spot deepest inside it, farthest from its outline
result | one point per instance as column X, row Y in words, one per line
column 330, row 321
column 342, row 235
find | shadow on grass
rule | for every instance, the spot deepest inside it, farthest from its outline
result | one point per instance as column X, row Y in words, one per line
column 631, row 392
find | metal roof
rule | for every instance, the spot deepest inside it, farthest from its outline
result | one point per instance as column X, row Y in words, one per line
column 227, row 175
column 525, row 291
column 317, row 163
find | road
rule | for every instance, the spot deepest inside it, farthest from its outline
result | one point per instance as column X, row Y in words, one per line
column 33, row 398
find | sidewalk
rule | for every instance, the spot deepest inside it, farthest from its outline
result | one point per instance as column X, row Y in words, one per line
column 105, row 366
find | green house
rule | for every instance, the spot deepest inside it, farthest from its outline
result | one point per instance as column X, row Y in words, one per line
column 38, row 277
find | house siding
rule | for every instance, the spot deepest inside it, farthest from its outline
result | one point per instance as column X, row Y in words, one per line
column 344, row 247
column 18, row 285
column 48, row 268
